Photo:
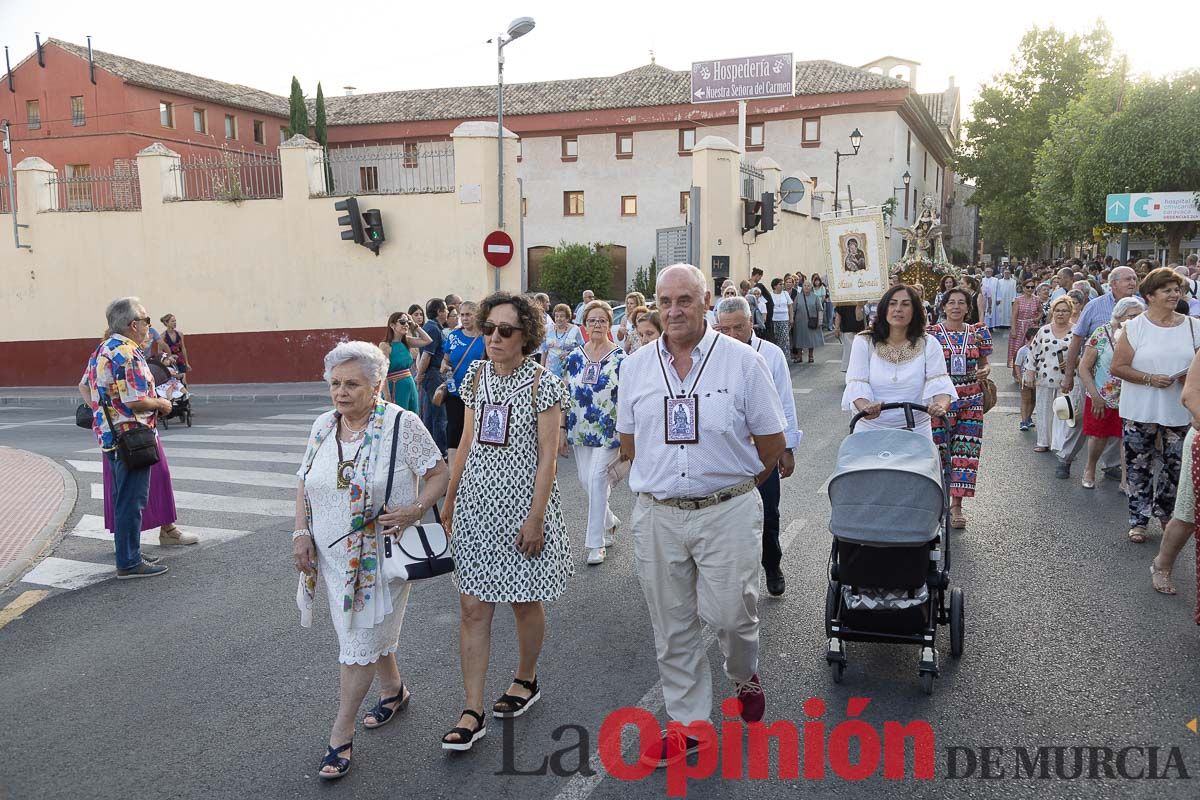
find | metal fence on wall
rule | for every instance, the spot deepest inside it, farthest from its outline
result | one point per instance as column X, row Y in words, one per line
column 752, row 181
column 6, row 202
column 86, row 190
column 412, row 168
column 229, row 175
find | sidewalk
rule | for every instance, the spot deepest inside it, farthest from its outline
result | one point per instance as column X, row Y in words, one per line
column 52, row 396
column 38, row 497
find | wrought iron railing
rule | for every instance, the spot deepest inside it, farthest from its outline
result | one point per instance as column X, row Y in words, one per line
column 82, row 189
column 231, row 175
column 752, row 181
column 410, row 168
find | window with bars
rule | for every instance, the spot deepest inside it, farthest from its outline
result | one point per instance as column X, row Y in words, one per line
column 79, row 193
column 410, row 155
column 572, row 204
column 368, row 179
column 78, row 117
column 33, row 114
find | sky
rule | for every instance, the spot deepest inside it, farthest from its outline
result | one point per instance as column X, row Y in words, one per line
column 384, row 46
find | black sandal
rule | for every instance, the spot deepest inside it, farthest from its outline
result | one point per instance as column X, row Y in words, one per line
column 516, row 706
column 382, row 714
column 332, row 759
column 466, row 736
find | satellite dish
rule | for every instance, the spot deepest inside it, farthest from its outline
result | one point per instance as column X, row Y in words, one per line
column 792, row 190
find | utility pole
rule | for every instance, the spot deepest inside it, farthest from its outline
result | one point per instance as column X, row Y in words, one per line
column 12, row 189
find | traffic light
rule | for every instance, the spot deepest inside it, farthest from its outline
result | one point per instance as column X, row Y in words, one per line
column 751, row 214
column 373, row 229
column 766, row 216
column 352, row 219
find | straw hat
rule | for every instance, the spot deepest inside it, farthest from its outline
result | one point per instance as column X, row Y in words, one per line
column 1064, row 409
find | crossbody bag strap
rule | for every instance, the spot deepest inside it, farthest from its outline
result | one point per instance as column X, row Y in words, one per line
column 392, row 461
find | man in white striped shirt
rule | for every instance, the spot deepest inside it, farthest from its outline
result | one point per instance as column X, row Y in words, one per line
column 733, row 319
column 699, row 418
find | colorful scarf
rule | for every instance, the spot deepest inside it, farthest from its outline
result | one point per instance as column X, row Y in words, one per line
column 366, row 599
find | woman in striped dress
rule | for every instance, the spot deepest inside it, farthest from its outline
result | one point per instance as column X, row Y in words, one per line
column 1026, row 314
column 959, row 435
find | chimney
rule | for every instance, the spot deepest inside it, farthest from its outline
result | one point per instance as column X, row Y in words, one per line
column 37, row 37
column 91, row 63
column 349, row 90
column 951, row 81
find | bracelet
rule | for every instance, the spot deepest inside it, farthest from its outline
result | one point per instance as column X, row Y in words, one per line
column 296, row 534
column 1147, row 379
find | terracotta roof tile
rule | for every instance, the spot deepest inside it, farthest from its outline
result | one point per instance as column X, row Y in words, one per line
column 152, row 76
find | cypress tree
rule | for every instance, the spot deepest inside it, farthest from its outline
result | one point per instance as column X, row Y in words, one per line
column 299, row 111
column 319, row 125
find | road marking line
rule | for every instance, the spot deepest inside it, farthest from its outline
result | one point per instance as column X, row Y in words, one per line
column 580, row 786
column 24, row 602
column 805, row 390
column 54, row 421
column 63, row 573
column 234, row 505
column 320, row 409
column 263, row 456
column 273, row 480
column 261, row 426
column 299, row 417
column 91, row 526
column 204, row 438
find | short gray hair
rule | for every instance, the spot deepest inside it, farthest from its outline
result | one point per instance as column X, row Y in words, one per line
column 120, row 313
column 733, row 305
column 1125, row 306
column 695, row 276
column 368, row 357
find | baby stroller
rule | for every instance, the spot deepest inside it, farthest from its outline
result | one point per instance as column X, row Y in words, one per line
column 167, row 385
column 889, row 571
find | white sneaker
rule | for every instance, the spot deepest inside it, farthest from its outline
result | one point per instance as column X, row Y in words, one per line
column 595, row 556
column 610, row 535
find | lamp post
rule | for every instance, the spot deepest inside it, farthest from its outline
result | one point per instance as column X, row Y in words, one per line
column 856, row 138
column 1125, row 240
column 907, row 180
column 516, row 29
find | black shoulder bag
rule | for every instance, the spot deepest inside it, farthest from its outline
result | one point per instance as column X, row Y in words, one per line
column 137, row 447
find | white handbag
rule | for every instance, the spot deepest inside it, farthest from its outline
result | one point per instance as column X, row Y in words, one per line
column 420, row 551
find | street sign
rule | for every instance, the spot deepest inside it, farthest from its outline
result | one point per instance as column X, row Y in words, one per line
column 743, row 78
column 1151, row 207
column 498, row 248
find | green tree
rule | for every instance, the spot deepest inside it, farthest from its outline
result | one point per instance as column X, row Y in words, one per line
column 1149, row 146
column 298, row 111
column 319, row 129
column 645, row 279
column 1010, row 120
column 571, row 268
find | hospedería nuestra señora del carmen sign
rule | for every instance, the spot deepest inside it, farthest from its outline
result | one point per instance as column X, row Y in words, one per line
column 743, row 78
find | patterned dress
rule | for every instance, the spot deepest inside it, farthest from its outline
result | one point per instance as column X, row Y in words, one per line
column 959, row 435
column 1029, row 315
column 592, row 409
column 496, row 494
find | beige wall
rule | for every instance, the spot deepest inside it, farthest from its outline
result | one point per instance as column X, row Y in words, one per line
column 261, row 265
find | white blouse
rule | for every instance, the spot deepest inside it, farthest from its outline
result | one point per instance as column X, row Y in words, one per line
column 876, row 380
column 1158, row 351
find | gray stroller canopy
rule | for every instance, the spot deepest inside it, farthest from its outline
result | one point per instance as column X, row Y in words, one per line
column 886, row 489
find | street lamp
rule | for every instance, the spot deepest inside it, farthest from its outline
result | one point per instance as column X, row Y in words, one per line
column 516, row 29
column 856, row 138
column 1125, row 240
column 907, row 180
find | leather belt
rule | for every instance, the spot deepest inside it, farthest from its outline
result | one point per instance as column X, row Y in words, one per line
column 697, row 503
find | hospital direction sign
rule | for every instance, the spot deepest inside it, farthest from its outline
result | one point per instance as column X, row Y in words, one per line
column 1151, row 207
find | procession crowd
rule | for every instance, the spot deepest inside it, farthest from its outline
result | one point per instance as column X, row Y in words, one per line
column 464, row 408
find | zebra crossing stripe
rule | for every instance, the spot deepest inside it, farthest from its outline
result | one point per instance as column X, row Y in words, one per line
column 91, row 526
column 197, row 501
column 65, row 573
column 170, row 437
column 264, row 427
column 258, row 456
column 273, row 480
column 309, row 418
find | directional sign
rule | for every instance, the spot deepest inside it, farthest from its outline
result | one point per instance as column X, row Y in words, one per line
column 1151, row 207
column 743, row 78
column 498, row 248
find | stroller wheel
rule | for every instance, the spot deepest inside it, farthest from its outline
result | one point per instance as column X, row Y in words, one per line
column 927, row 682
column 956, row 622
column 831, row 604
column 836, row 668
column 188, row 418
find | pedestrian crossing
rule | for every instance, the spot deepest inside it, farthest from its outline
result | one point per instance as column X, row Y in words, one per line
column 232, row 478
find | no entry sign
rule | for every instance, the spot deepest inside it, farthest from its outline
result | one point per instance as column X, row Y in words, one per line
column 498, row 248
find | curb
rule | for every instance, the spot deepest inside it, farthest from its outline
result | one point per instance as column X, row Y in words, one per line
column 73, row 400
column 51, row 534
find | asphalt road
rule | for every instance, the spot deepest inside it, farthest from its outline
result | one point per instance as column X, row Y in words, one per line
column 202, row 684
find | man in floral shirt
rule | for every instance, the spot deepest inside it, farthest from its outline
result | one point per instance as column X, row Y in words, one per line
column 122, row 391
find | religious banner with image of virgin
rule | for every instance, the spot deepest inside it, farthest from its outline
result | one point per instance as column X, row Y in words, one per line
column 857, row 256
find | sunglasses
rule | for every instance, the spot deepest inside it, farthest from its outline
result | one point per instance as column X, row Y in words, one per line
column 506, row 331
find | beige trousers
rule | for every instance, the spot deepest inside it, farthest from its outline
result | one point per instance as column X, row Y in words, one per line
column 700, row 567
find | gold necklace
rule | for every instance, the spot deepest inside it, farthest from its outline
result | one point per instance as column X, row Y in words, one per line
column 897, row 354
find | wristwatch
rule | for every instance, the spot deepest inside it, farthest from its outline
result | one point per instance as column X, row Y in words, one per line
column 296, row 534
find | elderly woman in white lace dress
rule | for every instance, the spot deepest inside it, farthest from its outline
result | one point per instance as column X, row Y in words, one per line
column 340, row 511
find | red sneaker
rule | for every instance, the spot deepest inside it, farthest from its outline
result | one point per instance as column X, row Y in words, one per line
column 754, row 702
column 673, row 747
